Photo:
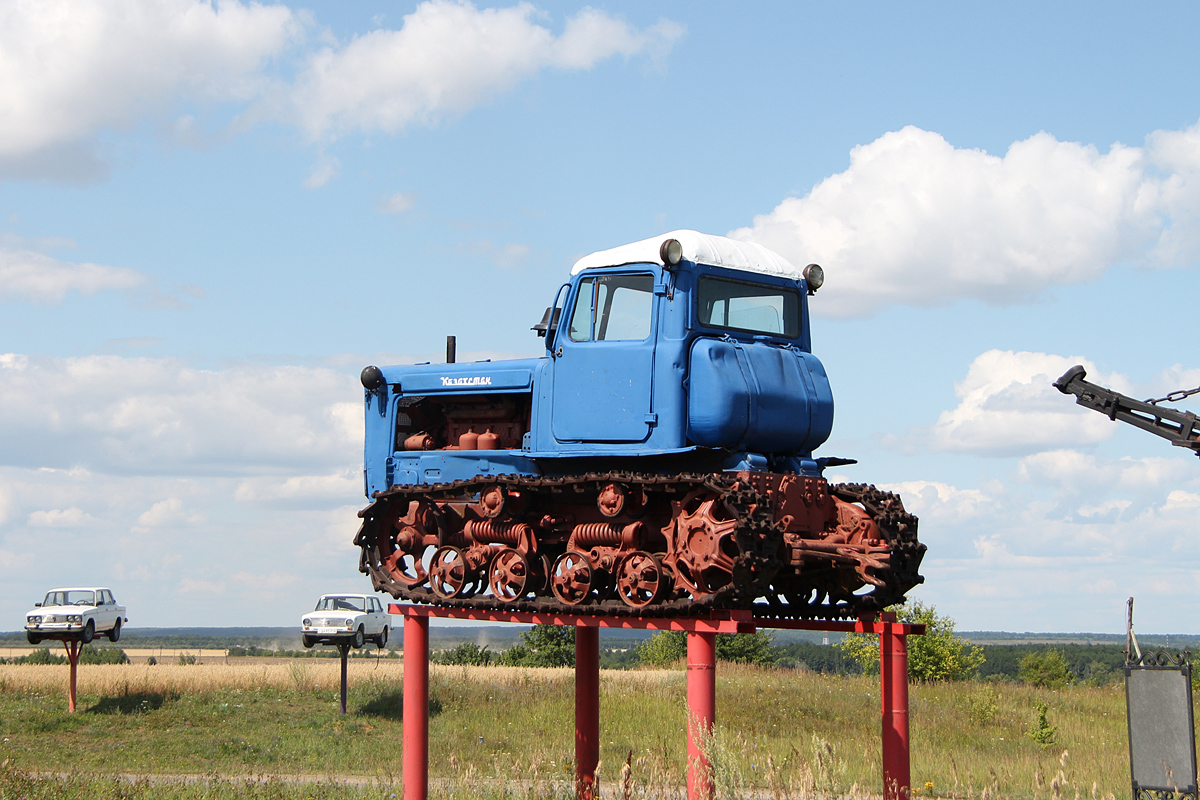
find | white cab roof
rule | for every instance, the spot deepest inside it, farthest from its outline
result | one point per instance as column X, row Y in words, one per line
column 701, row 248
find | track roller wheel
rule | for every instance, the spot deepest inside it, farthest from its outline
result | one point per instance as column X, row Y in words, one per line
column 449, row 575
column 640, row 579
column 573, row 578
column 508, row 575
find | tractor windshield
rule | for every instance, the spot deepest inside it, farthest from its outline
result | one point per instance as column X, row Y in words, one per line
column 612, row 308
column 749, row 307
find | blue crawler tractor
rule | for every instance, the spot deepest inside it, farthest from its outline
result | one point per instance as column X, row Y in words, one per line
column 657, row 460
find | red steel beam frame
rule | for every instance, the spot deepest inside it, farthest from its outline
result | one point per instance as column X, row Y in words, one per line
column 701, row 682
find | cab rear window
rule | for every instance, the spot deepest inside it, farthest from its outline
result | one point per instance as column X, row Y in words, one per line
column 749, row 307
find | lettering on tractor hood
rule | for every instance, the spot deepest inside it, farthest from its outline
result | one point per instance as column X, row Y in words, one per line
column 473, row 380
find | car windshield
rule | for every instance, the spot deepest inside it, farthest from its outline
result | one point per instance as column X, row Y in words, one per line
column 335, row 603
column 73, row 598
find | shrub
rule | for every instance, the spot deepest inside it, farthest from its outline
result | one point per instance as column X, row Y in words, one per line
column 747, row 648
column 982, row 704
column 466, row 654
column 667, row 647
column 542, row 646
column 106, row 655
column 939, row 655
column 1042, row 731
column 663, row 648
column 1046, row 670
column 42, row 656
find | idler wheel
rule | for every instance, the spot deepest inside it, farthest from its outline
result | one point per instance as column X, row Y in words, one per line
column 492, row 502
column 449, row 575
column 508, row 575
column 611, row 500
column 640, row 579
column 573, row 578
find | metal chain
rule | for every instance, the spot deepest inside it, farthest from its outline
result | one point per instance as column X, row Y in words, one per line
column 1175, row 397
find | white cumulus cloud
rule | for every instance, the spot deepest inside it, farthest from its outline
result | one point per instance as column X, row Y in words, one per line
column 398, row 203
column 917, row 221
column 163, row 416
column 302, row 489
column 33, row 276
column 70, row 69
column 60, row 518
column 74, row 71
column 169, row 513
column 933, row 501
column 1008, row 406
column 445, row 59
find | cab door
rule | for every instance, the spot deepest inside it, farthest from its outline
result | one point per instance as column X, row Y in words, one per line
column 604, row 360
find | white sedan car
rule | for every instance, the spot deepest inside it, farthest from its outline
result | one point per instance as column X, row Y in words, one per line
column 347, row 619
column 77, row 614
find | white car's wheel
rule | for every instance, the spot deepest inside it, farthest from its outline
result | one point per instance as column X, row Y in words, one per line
column 307, row 642
column 115, row 633
column 89, row 632
column 359, row 638
column 381, row 639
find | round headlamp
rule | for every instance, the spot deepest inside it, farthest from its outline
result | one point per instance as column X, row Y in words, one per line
column 814, row 276
column 372, row 378
column 670, row 252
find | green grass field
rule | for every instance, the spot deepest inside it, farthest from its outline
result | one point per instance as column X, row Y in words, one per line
column 509, row 732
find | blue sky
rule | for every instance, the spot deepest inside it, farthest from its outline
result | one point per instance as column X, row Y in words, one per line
column 212, row 216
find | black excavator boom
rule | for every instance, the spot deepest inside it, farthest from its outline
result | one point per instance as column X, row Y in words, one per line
column 1179, row 427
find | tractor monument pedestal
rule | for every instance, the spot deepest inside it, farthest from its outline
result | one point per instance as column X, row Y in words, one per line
column 701, row 686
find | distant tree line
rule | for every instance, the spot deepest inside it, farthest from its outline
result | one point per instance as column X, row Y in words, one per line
column 87, row 655
column 938, row 655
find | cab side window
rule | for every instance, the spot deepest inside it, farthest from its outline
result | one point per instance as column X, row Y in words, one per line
column 612, row 308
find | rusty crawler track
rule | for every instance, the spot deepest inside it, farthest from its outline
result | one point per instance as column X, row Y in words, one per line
column 760, row 568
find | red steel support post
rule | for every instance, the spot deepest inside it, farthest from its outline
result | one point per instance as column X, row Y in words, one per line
column 702, row 709
column 416, row 708
column 587, row 711
column 893, row 675
column 73, row 657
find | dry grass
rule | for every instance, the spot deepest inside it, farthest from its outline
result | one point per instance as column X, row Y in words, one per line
column 113, row 679
column 305, row 675
column 784, row 733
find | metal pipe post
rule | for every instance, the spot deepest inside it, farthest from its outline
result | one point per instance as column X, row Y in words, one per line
column 344, row 649
column 587, row 711
column 416, row 708
column 73, row 657
column 893, row 676
column 702, row 709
